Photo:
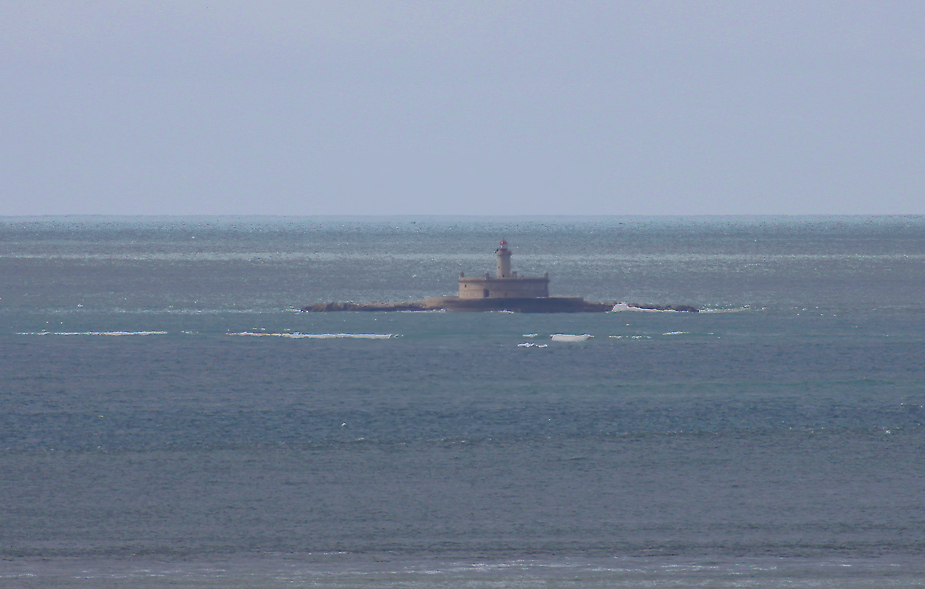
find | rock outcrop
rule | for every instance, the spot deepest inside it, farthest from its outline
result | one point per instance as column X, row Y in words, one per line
column 399, row 306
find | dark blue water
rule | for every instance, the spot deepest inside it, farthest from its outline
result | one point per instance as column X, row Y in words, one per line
column 168, row 417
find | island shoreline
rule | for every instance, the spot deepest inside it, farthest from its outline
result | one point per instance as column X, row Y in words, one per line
column 515, row 305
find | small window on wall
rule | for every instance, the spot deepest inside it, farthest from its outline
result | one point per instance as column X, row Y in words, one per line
column 485, row 293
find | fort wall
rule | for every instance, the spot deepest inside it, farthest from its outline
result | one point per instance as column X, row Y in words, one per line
column 503, row 288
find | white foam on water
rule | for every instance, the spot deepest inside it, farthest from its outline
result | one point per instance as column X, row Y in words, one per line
column 298, row 335
column 567, row 337
column 532, row 345
column 530, row 334
column 625, row 307
column 675, row 333
column 113, row 333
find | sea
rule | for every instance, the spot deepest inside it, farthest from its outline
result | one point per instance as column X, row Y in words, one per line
column 170, row 418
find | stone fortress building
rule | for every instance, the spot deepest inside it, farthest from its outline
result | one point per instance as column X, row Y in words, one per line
column 506, row 284
column 506, row 291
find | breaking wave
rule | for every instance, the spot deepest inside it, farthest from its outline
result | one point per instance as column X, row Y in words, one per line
column 92, row 333
column 318, row 335
column 625, row 307
column 565, row 337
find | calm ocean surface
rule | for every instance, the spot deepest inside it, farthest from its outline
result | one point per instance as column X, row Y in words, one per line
column 169, row 418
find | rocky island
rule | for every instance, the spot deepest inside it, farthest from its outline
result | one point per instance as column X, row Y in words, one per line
column 505, row 291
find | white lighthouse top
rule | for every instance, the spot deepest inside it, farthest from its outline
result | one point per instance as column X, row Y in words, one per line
column 504, row 261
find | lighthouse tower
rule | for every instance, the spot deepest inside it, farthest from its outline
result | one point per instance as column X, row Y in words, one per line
column 504, row 261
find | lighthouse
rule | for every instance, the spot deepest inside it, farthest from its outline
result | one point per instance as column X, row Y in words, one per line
column 504, row 261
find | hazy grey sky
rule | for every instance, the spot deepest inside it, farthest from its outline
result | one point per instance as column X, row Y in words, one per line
column 441, row 107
